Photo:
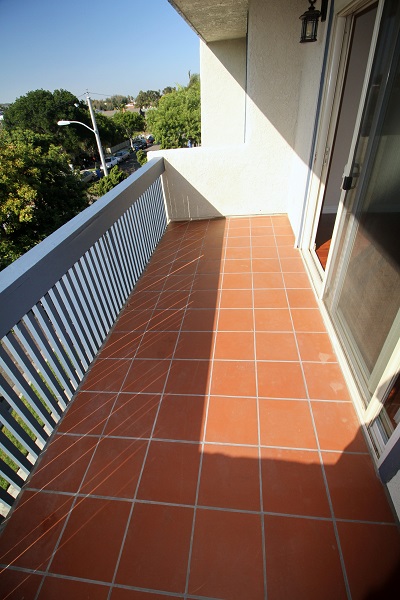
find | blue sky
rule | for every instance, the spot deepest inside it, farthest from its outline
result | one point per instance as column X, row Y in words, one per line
column 102, row 46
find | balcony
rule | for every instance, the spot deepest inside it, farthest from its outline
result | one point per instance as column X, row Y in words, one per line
column 201, row 442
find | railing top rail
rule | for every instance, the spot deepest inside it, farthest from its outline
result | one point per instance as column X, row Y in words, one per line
column 27, row 279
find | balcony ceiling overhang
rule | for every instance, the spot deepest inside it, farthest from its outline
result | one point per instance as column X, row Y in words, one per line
column 214, row 20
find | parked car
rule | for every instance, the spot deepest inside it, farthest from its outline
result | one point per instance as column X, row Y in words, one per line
column 88, row 176
column 122, row 155
column 139, row 144
column 111, row 161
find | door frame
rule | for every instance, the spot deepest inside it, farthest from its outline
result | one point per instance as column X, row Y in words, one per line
column 333, row 88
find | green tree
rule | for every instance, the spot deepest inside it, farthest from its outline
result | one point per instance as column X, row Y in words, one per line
column 146, row 99
column 104, row 185
column 168, row 90
column 177, row 118
column 130, row 124
column 40, row 110
column 38, row 191
column 141, row 157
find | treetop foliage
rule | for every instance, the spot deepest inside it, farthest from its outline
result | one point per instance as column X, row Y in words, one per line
column 176, row 120
column 38, row 191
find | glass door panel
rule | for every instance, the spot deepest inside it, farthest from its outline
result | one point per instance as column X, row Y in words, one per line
column 363, row 26
column 363, row 290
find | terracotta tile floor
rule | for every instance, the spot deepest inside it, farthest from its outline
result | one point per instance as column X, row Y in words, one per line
column 213, row 451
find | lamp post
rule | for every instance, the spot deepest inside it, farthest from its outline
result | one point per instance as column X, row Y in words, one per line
column 94, row 130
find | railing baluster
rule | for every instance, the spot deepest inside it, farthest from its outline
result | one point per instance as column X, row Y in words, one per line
column 57, row 312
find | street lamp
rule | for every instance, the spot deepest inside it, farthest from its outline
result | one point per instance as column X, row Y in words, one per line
column 94, row 130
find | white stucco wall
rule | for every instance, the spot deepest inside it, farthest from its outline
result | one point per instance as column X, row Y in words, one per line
column 264, row 171
column 223, row 87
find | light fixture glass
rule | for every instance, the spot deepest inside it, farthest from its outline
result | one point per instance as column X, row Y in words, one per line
column 309, row 25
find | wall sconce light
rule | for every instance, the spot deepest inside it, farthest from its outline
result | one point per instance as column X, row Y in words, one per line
column 309, row 24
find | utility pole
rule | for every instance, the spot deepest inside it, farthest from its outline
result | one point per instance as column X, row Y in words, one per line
column 96, row 133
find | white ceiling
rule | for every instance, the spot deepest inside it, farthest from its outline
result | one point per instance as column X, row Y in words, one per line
column 214, row 20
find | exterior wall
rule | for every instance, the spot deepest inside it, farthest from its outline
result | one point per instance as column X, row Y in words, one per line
column 223, row 85
column 266, row 172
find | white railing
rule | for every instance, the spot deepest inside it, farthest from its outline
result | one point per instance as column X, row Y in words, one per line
column 58, row 303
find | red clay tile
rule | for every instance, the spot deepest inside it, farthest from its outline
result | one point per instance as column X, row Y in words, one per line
column 106, row 375
column 264, row 252
column 381, row 544
column 299, row 298
column 53, row 470
column 149, row 283
column 284, row 240
column 87, row 413
column 173, row 299
column 240, row 265
column 235, row 319
column 146, row 376
column 142, row 301
column 233, row 378
column 238, row 242
column 195, row 344
column 296, row 280
column 27, row 542
column 293, row 265
column 315, row 347
column 203, row 299
column 238, row 253
column 95, row 531
column 133, row 415
column 115, row 468
column 178, row 282
column 325, row 381
column 122, row 344
column 230, row 477
column 263, row 240
column 157, row 344
column 307, row 319
column 272, row 319
column 286, row 423
column 17, row 585
column 181, row 418
column 156, row 548
column 236, row 299
column 302, row 559
column 235, row 345
column 280, row 380
column 208, row 281
column 227, row 559
column 133, row 320
column 236, row 281
column 65, row 589
column 268, row 280
column 232, row 420
column 292, row 482
column 170, row 473
column 287, row 251
column 276, row 346
column 188, row 377
column 128, row 594
column 265, row 265
column 257, row 230
column 355, row 489
column 199, row 320
column 338, row 427
column 166, row 320
column 270, row 299
column 209, row 265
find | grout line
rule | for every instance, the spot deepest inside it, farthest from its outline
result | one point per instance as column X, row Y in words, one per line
column 207, row 398
column 336, row 532
column 261, row 498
